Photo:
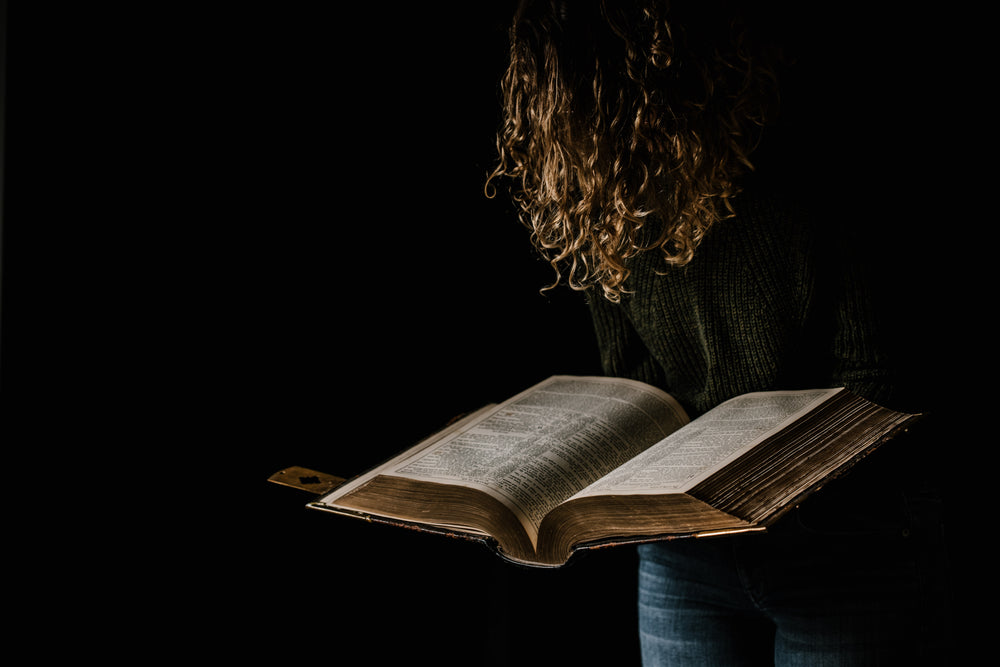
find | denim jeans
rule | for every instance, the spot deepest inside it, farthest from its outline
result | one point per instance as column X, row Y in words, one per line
column 846, row 579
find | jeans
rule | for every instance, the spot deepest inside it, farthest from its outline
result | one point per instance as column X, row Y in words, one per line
column 846, row 579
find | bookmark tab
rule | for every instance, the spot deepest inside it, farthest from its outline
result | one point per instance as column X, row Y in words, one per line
column 305, row 479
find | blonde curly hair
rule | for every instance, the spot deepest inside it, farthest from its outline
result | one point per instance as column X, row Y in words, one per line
column 617, row 113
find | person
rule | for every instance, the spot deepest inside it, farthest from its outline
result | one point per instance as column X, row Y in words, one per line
column 634, row 142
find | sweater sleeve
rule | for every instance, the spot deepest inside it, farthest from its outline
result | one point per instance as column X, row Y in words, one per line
column 623, row 353
column 863, row 360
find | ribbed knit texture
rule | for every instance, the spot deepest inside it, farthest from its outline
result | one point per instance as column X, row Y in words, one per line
column 768, row 302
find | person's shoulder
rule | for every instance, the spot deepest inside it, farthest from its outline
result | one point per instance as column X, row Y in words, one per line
column 773, row 209
column 767, row 199
column 775, row 221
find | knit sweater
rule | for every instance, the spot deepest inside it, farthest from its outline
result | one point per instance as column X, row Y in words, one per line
column 769, row 301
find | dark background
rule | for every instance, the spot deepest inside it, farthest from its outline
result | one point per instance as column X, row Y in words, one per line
column 239, row 238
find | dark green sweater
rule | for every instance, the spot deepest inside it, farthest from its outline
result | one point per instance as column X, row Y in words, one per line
column 768, row 302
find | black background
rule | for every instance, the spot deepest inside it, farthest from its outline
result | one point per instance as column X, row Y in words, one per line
column 239, row 238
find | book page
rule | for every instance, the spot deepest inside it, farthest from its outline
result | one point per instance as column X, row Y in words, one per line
column 709, row 442
column 545, row 444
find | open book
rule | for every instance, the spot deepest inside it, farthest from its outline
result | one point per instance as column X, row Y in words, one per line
column 580, row 462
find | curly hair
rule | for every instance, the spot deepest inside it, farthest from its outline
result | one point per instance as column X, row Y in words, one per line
column 619, row 113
